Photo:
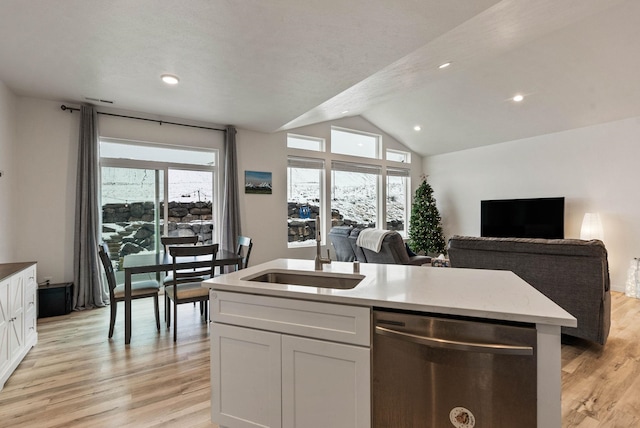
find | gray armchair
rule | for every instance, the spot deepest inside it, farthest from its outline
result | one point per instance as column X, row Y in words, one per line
column 393, row 251
column 339, row 237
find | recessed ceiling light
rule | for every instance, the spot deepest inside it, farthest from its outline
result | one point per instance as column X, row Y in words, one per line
column 417, row 128
column 345, row 112
column 170, row 79
column 517, row 98
column 445, row 65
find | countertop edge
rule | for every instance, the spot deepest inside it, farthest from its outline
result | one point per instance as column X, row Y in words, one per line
column 556, row 316
column 9, row 269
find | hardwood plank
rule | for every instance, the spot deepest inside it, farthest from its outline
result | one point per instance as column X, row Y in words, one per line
column 76, row 377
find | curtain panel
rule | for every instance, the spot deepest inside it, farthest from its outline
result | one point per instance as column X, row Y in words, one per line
column 230, row 206
column 88, row 291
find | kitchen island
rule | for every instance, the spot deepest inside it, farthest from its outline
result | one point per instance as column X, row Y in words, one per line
column 287, row 354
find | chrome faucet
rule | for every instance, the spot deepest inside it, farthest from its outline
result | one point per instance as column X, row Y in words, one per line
column 319, row 260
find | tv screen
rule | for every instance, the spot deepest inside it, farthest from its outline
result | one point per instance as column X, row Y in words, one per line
column 522, row 218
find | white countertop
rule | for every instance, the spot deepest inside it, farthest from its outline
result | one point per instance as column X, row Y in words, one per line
column 492, row 294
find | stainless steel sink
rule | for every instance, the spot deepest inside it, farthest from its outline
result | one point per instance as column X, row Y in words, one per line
column 343, row 281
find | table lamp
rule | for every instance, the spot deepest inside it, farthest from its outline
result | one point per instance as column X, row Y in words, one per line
column 591, row 227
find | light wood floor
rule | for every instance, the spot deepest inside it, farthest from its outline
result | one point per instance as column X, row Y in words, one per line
column 76, row 377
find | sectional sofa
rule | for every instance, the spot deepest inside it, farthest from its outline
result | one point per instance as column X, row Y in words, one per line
column 573, row 273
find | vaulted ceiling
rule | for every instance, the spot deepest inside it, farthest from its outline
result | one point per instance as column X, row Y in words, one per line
column 280, row 64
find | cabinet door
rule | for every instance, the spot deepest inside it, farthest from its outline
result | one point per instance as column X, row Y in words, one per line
column 245, row 377
column 16, row 314
column 325, row 384
column 4, row 326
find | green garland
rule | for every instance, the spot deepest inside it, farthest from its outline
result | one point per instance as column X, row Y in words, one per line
column 425, row 231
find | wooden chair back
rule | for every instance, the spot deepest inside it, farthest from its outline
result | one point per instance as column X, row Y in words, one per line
column 166, row 241
column 103, row 252
column 181, row 275
column 244, row 250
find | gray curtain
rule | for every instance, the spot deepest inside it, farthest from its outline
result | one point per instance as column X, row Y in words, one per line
column 230, row 204
column 88, row 291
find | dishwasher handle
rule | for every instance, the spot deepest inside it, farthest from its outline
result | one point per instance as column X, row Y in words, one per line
column 434, row 342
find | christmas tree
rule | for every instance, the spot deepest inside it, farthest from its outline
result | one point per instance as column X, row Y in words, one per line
column 425, row 231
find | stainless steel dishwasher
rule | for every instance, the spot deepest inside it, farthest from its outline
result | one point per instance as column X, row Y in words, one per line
column 443, row 372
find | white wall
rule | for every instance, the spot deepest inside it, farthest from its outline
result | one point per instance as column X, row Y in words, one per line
column 594, row 168
column 8, row 142
column 45, row 187
column 45, row 182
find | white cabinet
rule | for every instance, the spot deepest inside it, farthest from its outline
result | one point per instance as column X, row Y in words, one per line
column 17, row 315
column 245, row 377
column 289, row 363
column 324, row 384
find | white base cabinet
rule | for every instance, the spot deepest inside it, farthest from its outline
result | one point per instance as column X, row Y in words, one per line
column 18, row 290
column 269, row 378
column 324, row 384
column 245, row 377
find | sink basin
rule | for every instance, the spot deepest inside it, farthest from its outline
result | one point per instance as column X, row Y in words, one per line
column 342, row 281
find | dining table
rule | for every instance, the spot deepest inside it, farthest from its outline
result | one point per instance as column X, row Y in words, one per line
column 156, row 262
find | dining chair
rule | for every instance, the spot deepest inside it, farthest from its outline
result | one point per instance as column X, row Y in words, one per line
column 244, row 250
column 185, row 288
column 167, row 241
column 139, row 289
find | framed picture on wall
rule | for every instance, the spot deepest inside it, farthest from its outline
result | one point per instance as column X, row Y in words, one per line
column 257, row 182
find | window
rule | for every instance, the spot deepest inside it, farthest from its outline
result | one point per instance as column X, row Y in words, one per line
column 151, row 190
column 354, row 143
column 304, row 197
column 398, row 156
column 354, row 193
column 345, row 185
column 397, row 206
column 305, row 143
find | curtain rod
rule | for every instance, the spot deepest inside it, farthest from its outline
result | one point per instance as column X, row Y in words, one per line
column 72, row 109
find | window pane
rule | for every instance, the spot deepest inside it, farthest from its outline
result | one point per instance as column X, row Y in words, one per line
column 398, row 156
column 305, row 143
column 129, row 208
column 303, row 203
column 397, row 190
column 190, row 204
column 354, row 198
column 355, row 143
column 149, row 152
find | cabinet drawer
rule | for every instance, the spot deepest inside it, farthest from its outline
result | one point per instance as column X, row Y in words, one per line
column 327, row 321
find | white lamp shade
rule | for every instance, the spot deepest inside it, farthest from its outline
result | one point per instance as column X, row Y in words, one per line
column 591, row 227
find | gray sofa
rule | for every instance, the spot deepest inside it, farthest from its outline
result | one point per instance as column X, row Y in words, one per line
column 393, row 251
column 571, row 272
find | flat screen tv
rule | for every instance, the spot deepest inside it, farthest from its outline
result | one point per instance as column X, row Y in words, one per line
column 522, row 218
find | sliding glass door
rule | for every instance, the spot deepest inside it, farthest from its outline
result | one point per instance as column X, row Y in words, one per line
column 149, row 191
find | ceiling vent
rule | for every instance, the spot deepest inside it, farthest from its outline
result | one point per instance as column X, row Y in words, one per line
column 98, row 100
